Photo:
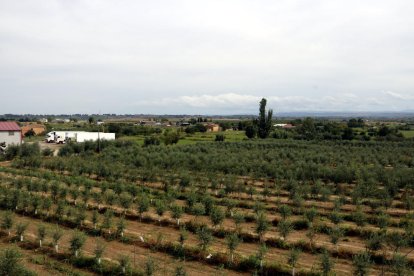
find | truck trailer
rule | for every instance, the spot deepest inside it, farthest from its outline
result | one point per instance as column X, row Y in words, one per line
column 92, row 136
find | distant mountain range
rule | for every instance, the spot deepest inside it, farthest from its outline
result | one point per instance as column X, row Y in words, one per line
column 294, row 114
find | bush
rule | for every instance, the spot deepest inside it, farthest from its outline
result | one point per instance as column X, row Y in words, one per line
column 10, row 263
column 47, row 152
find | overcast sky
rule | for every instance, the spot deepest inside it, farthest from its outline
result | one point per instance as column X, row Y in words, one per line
column 205, row 57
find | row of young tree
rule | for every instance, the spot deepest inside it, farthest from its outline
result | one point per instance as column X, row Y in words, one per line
column 284, row 227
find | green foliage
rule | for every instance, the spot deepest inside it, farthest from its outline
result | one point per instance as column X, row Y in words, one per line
column 171, row 137
column 7, row 221
column 284, row 227
column 264, row 122
column 232, row 241
column 205, row 237
column 151, row 141
column 251, row 131
column 219, row 138
column 293, row 257
column 149, row 267
column 262, row 225
column 76, row 242
column 361, row 263
column 180, row 271
column 20, row 229
column 326, row 263
column 10, row 265
column 216, row 216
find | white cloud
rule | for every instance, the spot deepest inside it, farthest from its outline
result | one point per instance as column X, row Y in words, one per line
column 233, row 103
column 399, row 96
column 330, row 55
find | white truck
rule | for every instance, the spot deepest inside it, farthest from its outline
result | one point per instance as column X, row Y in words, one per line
column 60, row 137
column 92, row 136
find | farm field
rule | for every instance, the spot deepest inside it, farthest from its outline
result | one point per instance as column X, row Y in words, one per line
column 408, row 133
column 189, row 139
column 215, row 208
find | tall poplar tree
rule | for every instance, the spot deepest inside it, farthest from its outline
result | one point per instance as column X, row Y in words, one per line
column 264, row 123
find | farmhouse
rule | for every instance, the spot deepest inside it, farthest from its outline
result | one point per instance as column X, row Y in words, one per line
column 213, row 127
column 10, row 133
column 37, row 129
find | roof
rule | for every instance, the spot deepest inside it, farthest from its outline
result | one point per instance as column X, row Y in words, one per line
column 33, row 126
column 9, row 126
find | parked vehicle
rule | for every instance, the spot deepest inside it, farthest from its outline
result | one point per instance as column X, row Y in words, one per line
column 3, row 147
column 60, row 137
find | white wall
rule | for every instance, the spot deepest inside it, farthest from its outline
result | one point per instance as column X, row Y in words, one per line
column 16, row 138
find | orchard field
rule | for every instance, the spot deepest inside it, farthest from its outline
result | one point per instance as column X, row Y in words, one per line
column 276, row 207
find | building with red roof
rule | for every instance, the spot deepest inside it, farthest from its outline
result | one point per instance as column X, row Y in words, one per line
column 10, row 133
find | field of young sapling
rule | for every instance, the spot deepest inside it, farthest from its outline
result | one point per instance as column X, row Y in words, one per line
column 279, row 207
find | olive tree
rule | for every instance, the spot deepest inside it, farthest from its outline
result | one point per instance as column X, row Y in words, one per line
column 361, row 263
column 262, row 225
column 41, row 234
column 56, row 236
column 216, row 216
column 177, row 212
column 99, row 250
column 284, row 227
column 293, row 257
column 326, row 263
column 20, row 229
column 7, row 222
column 233, row 241
column 205, row 237
column 76, row 242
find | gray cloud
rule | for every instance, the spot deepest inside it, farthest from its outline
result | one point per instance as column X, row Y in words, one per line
column 216, row 57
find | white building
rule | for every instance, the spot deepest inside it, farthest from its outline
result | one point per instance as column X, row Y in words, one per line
column 10, row 133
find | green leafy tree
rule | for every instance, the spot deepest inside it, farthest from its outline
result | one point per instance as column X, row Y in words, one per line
column 311, row 214
column 251, row 131
column 284, row 227
column 10, row 265
column 216, row 216
column 95, row 218
column 198, row 210
column 149, row 267
column 232, row 241
column 397, row 241
column 238, row 220
column 41, row 234
column 20, row 229
column 56, row 236
column 400, row 265
column 120, row 227
column 99, row 251
column 177, row 212
column 125, row 264
column 180, row 271
column 7, row 222
column 205, row 237
column 76, row 243
column 262, row 225
column 107, row 221
column 125, row 200
column 361, row 263
column 285, row 211
column 143, row 206
column 183, row 236
column 326, row 263
column 335, row 234
column 264, row 122
column 160, row 208
column 261, row 253
column 293, row 258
